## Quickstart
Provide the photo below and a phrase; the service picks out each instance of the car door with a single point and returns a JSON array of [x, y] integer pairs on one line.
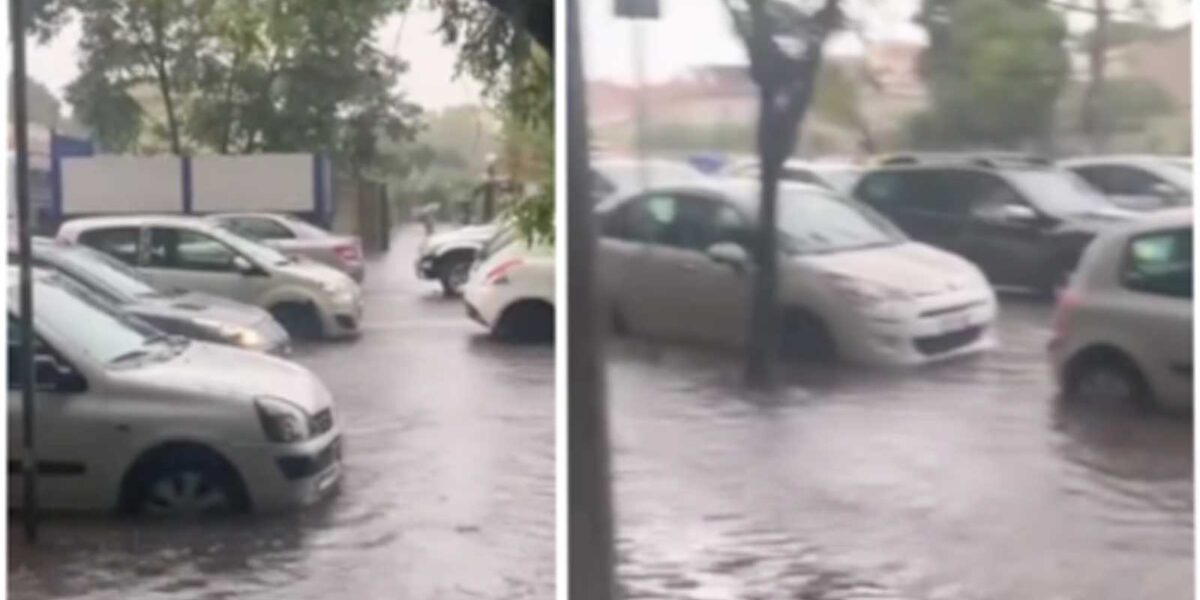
[[1004, 232], [122, 243], [628, 275], [189, 259], [928, 205], [1157, 278], [73, 437]]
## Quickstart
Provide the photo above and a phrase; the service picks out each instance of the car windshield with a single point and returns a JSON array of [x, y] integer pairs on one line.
[[817, 223], [842, 179], [92, 266], [1059, 192], [503, 237], [99, 329], [257, 252]]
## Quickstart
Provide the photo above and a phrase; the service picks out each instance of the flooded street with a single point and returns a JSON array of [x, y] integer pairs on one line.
[[448, 492], [965, 481]]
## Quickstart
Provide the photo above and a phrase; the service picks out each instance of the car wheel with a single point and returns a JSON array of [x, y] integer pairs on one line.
[[805, 337], [1107, 378], [530, 322], [188, 483], [454, 272], [300, 320]]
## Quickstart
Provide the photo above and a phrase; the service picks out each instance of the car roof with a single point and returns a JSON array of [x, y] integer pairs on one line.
[[87, 223], [742, 192], [1108, 159]]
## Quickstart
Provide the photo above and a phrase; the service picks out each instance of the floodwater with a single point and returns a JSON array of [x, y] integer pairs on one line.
[[448, 492], [964, 481]]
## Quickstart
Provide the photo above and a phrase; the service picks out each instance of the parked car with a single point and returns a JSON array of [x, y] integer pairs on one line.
[[675, 264], [617, 177], [135, 420], [298, 239], [1138, 182], [834, 176], [511, 289], [1123, 329], [1025, 224], [307, 298], [447, 257], [198, 316]]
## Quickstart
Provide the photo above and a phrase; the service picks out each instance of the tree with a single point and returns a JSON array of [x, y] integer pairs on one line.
[[251, 76], [518, 76], [995, 69], [785, 45], [838, 101]]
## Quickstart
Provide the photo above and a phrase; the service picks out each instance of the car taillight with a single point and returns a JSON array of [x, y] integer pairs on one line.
[[1068, 301], [499, 274], [347, 252]]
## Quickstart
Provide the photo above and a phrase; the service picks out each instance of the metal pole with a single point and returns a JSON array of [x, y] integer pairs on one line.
[[590, 558], [639, 82], [16, 17]]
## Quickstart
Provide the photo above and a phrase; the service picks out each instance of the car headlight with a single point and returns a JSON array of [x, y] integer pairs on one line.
[[868, 293], [282, 421], [237, 335]]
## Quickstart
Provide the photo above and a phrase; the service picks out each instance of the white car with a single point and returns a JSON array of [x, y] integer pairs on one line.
[[299, 239], [511, 289], [447, 257], [1123, 328], [839, 177], [1138, 182], [307, 298], [675, 264], [130, 419]]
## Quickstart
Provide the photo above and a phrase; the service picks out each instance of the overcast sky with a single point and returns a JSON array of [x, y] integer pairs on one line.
[[698, 32], [430, 79]]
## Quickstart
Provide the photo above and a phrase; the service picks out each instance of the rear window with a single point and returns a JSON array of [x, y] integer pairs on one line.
[[1160, 263]]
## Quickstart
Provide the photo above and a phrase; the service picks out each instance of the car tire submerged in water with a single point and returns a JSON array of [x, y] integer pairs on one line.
[[185, 481], [453, 271], [528, 322], [805, 337], [1106, 377], [300, 320]]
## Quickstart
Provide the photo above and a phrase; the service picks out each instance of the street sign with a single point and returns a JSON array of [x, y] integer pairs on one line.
[[637, 9]]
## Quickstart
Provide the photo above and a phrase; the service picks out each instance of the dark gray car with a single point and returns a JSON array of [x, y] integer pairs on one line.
[[198, 316]]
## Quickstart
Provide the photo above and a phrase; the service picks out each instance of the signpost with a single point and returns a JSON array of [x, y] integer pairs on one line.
[[16, 19]]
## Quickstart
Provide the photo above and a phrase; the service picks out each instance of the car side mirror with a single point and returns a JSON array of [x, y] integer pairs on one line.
[[729, 253], [53, 376]]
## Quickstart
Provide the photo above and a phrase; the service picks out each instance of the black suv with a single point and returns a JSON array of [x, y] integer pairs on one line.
[[1022, 221]]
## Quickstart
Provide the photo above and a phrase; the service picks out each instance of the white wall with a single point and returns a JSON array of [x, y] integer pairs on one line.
[[122, 184], [269, 182]]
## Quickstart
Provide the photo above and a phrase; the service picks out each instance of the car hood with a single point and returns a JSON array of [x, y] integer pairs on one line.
[[1098, 220], [913, 267], [230, 372], [194, 305], [316, 273]]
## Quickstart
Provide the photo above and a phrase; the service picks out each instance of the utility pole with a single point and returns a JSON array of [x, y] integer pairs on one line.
[[589, 495], [16, 19]]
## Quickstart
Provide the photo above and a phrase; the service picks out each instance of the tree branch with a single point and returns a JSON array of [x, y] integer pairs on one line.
[[534, 17]]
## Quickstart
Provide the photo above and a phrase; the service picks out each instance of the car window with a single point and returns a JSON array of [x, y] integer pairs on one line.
[[118, 242], [258, 228], [989, 195], [1057, 192], [1128, 181], [184, 249], [1160, 263], [924, 192]]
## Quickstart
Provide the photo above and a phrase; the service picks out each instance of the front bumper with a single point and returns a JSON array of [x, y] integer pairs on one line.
[[933, 331], [343, 319], [282, 477]]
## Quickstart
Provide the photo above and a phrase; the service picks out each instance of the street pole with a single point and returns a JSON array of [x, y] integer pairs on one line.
[[16, 18], [489, 191], [589, 500]]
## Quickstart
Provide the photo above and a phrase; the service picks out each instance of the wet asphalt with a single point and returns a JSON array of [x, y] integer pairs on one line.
[[448, 491]]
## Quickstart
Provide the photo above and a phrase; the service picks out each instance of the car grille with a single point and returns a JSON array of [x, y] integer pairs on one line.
[[322, 422], [946, 342], [937, 312], [300, 467]]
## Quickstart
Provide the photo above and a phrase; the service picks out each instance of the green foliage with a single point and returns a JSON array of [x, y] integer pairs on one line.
[[240, 75], [995, 69]]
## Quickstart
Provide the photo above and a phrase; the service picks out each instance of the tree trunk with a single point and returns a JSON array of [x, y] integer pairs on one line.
[[164, 88], [1093, 125], [764, 321], [227, 101]]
